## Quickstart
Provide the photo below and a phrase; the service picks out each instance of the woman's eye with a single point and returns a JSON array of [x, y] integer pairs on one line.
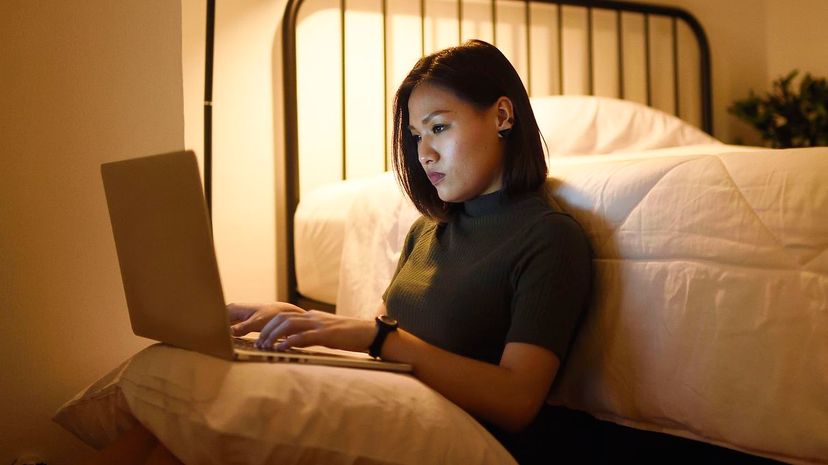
[[416, 138], [438, 128]]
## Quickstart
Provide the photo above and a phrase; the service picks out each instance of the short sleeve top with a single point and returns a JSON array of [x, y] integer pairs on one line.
[[503, 270]]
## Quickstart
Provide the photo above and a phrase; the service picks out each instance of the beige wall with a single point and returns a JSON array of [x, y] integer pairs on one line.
[[736, 30], [753, 43], [797, 37], [84, 82], [246, 135]]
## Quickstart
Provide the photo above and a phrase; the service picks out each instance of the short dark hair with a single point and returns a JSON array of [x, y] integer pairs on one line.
[[478, 73]]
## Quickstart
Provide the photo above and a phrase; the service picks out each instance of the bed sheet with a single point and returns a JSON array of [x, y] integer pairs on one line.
[[710, 316], [319, 233]]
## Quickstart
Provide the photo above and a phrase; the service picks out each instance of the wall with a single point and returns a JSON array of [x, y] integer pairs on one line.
[[246, 136], [736, 30], [796, 37], [753, 43], [84, 82]]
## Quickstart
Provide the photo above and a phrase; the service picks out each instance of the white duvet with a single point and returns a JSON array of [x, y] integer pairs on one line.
[[710, 315]]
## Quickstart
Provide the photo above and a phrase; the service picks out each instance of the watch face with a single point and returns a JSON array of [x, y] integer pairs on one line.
[[387, 320]]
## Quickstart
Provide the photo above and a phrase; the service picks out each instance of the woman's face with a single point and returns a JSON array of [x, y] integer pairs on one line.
[[457, 143]]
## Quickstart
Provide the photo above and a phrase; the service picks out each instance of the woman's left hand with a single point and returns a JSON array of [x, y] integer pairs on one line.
[[317, 328]]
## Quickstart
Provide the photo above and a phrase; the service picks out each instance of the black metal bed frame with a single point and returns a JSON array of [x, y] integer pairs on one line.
[[291, 134]]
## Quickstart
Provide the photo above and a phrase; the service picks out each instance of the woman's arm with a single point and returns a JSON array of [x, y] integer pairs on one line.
[[507, 395]]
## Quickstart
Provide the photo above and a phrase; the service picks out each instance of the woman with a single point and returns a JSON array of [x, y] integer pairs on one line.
[[491, 281]]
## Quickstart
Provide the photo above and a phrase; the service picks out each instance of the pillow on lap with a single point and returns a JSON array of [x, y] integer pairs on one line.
[[282, 413]]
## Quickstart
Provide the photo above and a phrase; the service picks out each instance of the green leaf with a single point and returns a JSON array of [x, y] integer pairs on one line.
[[788, 115]]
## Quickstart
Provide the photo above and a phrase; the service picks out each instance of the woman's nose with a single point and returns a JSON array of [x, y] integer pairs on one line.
[[426, 153]]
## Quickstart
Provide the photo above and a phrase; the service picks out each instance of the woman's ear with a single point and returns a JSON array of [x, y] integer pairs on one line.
[[505, 117]]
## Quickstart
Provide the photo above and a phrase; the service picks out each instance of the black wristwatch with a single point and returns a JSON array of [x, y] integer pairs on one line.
[[385, 325]]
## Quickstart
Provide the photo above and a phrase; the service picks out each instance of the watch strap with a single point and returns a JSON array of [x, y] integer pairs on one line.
[[383, 328]]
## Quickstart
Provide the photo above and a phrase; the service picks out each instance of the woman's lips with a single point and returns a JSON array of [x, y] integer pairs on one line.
[[435, 177]]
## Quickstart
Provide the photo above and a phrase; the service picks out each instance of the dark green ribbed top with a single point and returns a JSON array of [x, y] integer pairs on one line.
[[503, 270]]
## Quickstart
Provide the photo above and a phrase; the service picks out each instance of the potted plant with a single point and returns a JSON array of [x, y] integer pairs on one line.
[[787, 118]]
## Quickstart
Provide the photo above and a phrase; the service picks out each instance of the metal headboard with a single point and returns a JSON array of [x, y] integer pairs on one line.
[[289, 44]]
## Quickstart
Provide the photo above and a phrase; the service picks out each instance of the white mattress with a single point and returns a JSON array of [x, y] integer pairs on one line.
[[710, 319], [319, 232]]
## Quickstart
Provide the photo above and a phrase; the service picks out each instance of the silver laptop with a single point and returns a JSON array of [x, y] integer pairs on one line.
[[168, 264]]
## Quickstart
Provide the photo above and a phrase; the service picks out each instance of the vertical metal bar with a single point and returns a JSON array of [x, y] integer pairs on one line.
[[422, 28], [494, 22], [459, 22], [208, 107], [342, 54], [647, 59], [528, 47], [675, 69], [560, 50], [291, 168], [590, 58], [385, 84], [619, 29], [705, 72]]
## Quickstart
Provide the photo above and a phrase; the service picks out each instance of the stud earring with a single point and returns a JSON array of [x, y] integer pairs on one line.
[[504, 133]]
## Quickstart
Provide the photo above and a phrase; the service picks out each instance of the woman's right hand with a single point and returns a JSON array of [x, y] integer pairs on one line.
[[247, 317]]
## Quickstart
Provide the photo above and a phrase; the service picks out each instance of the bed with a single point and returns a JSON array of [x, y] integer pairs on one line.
[[710, 258], [710, 317]]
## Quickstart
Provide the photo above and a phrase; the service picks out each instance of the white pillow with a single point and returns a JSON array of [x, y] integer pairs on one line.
[[211, 411], [585, 125]]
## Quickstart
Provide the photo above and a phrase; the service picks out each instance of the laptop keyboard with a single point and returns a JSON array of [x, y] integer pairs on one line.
[[248, 344]]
